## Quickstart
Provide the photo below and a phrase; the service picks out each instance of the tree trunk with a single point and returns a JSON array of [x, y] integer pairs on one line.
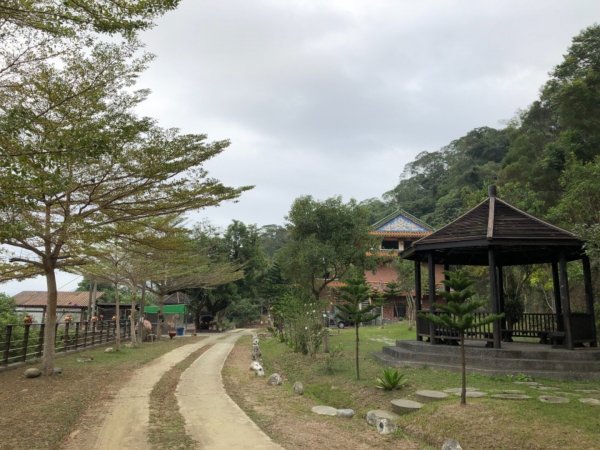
[[50, 321], [133, 318], [143, 332], [357, 368], [463, 392], [117, 319], [161, 316]]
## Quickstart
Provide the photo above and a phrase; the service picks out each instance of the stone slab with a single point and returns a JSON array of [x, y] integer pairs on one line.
[[552, 399], [472, 394], [430, 396], [325, 410], [405, 406], [590, 401], [459, 390], [511, 396]]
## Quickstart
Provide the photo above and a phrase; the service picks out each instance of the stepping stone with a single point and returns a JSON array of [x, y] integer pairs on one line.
[[510, 391], [404, 406], [511, 396], [552, 399], [588, 391], [545, 388], [459, 390], [430, 396], [590, 401], [376, 414], [472, 394], [325, 410], [527, 383]]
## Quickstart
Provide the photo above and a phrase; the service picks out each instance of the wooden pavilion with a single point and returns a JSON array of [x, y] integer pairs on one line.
[[496, 234]]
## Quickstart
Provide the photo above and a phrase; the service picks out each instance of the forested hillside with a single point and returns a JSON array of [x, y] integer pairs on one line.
[[546, 161]]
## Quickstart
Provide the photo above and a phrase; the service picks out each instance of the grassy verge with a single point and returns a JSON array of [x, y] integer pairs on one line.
[[167, 426], [330, 380], [41, 412]]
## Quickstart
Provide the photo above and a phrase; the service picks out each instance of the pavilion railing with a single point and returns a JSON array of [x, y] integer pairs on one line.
[[538, 325], [22, 342]]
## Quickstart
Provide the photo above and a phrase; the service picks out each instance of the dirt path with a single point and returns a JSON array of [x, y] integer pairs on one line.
[[211, 417], [123, 422]]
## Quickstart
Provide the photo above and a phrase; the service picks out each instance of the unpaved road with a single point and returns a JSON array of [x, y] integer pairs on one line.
[[211, 417], [124, 422]]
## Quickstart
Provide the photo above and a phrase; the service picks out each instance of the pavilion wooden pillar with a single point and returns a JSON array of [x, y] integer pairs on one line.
[[418, 296], [446, 269], [565, 301], [589, 296], [494, 297], [431, 275], [501, 297], [560, 326]]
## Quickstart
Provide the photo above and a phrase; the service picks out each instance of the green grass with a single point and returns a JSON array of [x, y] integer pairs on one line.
[[483, 423]]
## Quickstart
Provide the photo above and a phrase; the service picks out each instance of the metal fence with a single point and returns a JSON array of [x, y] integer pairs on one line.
[[19, 343]]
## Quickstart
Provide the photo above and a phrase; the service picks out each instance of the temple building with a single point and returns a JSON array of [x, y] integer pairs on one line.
[[396, 232]]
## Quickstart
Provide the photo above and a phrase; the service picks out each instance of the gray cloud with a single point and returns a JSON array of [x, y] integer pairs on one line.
[[334, 97]]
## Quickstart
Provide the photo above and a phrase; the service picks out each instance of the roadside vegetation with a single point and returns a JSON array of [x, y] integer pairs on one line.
[[483, 423], [43, 412]]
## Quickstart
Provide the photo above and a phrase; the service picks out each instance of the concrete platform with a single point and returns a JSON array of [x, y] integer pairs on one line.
[[513, 358]]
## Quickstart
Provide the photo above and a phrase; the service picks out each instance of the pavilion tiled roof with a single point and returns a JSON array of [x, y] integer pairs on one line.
[[77, 299], [496, 223]]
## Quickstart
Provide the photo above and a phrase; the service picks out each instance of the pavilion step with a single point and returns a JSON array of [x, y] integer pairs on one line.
[[512, 364], [550, 374], [583, 354]]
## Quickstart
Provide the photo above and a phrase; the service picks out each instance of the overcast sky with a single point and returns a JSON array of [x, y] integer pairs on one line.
[[329, 98]]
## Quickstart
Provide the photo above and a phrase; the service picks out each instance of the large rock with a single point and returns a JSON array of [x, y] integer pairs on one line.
[[57, 371], [386, 426], [451, 444], [255, 365], [32, 372], [325, 410], [109, 350], [298, 388], [374, 415], [275, 380], [346, 412], [404, 406]]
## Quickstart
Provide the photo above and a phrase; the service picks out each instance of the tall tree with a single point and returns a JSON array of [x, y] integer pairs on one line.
[[327, 239], [67, 177]]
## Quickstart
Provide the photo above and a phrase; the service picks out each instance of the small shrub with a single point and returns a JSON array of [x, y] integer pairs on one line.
[[522, 377], [333, 356], [391, 379]]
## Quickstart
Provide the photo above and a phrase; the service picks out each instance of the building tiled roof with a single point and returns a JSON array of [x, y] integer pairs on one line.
[[400, 224], [77, 299]]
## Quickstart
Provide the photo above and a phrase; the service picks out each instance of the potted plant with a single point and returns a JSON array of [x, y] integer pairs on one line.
[[27, 320]]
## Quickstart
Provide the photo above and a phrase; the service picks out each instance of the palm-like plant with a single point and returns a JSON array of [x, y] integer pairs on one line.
[[390, 379], [354, 308], [458, 314]]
